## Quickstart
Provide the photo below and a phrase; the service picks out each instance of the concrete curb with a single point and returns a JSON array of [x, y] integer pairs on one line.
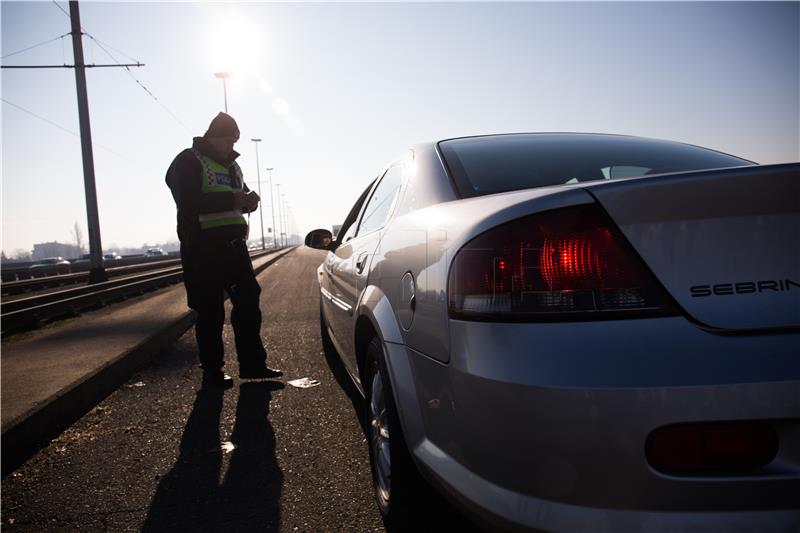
[[33, 430]]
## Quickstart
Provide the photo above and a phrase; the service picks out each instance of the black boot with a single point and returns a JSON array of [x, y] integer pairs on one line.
[[258, 372], [217, 379]]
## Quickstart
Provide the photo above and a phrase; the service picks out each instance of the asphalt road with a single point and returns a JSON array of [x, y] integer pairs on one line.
[[161, 455]]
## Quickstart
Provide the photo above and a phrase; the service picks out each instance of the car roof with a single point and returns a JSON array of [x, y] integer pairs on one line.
[[574, 136], [551, 135]]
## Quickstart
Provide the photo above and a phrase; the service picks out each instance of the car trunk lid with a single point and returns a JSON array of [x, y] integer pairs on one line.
[[724, 243]]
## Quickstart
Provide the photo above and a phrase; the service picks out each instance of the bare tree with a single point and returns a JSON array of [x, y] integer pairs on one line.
[[77, 235], [22, 255]]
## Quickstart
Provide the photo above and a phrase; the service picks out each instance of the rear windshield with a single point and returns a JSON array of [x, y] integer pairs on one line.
[[499, 163]]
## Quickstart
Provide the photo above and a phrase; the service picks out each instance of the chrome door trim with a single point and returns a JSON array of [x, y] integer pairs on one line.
[[336, 301]]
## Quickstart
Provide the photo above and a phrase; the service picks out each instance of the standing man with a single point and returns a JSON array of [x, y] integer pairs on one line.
[[211, 197]]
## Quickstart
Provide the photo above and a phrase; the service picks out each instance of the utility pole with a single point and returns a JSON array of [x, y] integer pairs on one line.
[[261, 203], [97, 273]]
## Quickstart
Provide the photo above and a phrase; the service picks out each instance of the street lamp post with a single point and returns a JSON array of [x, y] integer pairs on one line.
[[272, 207], [289, 222], [280, 217], [224, 76], [285, 206], [260, 211]]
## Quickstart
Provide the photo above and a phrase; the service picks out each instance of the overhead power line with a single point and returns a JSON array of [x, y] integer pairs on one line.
[[62, 128], [61, 8], [101, 43], [135, 79], [148, 91], [66, 130], [126, 65], [34, 46]]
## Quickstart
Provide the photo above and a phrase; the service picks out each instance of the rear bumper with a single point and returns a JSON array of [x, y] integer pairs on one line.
[[542, 426], [500, 509]]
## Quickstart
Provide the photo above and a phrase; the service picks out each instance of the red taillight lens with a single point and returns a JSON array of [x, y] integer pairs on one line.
[[550, 264], [722, 447]]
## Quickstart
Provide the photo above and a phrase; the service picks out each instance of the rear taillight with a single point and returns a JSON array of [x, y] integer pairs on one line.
[[551, 265]]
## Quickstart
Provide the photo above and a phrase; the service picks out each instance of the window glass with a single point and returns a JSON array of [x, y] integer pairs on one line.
[[380, 204], [349, 234], [499, 163], [622, 171], [348, 228]]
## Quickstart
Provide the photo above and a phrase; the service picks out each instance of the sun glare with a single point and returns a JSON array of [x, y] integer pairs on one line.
[[280, 106], [264, 84], [234, 46]]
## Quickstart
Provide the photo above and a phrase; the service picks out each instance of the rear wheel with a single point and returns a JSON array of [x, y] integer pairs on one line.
[[395, 477]]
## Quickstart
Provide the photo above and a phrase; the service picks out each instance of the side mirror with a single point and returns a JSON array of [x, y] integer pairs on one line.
[[321, 239]]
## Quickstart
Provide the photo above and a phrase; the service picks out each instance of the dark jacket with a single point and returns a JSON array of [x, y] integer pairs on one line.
[[183, 179]]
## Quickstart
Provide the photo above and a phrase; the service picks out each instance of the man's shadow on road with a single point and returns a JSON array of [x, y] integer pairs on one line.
[[191, 498]]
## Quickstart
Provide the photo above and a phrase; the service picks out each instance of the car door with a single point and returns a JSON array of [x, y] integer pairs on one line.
[[355, 255], [335, 267]]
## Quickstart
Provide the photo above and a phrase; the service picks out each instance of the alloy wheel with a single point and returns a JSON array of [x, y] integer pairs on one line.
[[379, 437]]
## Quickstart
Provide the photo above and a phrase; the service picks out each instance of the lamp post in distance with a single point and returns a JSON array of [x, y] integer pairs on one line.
[[260, 211], [285, 207], [272, 208], [290, 222], [224, 76], [280, 216]]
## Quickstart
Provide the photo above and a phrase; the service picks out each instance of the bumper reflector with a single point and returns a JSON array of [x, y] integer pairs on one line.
[[711, 448]]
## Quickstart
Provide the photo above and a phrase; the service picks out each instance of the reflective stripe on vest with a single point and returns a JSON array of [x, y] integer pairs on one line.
[[217, 178], [224, 218]]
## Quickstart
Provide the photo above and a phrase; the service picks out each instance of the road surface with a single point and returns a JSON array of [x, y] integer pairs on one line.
[[160, 455]]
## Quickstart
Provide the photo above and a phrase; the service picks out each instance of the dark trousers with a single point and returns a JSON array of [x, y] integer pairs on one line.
[[209, 270]]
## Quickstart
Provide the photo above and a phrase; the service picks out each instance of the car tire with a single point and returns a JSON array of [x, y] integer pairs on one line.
[[397, 482], [327, 343]]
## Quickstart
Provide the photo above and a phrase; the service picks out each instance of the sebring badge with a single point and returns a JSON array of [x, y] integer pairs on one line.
[[743, 287]]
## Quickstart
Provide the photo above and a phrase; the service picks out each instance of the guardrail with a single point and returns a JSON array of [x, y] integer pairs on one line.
[[13, 271], [34, 311], [36, 284]]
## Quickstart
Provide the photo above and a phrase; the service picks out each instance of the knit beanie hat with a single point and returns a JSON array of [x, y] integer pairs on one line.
[[223, 125]]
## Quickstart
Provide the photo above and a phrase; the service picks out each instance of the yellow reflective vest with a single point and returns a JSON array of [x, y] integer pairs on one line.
[[218, 178]]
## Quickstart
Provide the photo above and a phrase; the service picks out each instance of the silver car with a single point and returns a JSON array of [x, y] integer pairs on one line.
[[155, 252], [50, 266], [576, 332]]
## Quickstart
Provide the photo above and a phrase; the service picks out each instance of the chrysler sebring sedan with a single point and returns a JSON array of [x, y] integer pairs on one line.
[[575, 332]]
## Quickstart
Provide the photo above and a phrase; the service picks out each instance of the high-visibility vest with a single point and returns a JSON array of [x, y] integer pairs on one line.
[[217, 178]]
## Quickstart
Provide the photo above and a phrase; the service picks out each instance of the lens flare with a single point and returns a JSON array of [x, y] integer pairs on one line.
[[280, 106]]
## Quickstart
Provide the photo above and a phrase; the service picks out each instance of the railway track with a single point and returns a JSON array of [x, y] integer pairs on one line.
[[12, 288], [33, 311]]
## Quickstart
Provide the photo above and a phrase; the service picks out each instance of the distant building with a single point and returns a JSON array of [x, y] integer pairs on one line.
[[55, 249], [336, 228]]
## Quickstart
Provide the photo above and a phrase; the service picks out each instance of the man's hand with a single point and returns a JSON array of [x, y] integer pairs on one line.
[[247, 202], [251, 201]]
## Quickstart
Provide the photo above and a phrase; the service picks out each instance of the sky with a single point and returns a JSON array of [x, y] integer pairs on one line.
[[338, 90]]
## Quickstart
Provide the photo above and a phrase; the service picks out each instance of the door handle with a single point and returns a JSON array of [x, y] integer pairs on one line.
[[361, 262]]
